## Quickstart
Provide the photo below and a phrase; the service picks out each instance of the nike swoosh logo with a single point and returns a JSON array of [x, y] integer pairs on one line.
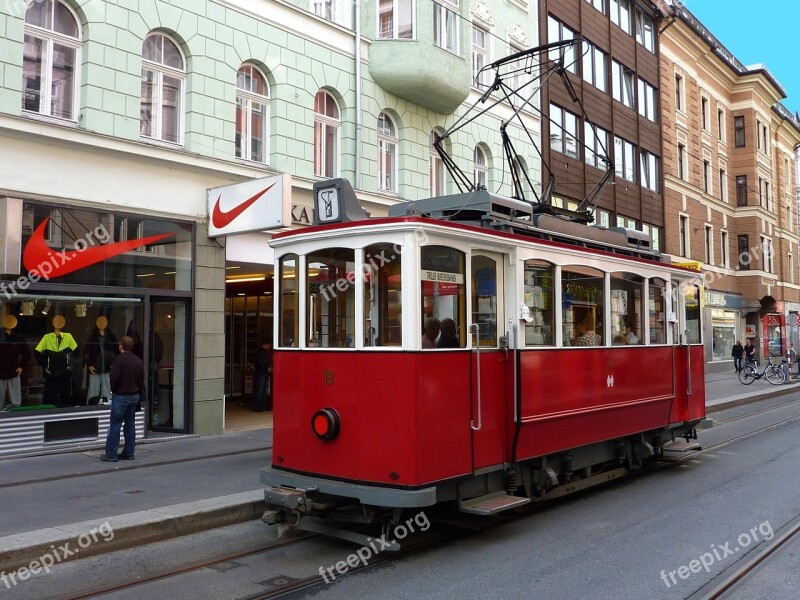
[[221, 219], [39, 258]]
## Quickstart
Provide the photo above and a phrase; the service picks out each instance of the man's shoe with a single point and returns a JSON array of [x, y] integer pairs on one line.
[[105, 458], [123, 457]]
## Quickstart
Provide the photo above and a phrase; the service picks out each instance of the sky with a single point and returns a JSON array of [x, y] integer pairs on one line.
[[757, 31]]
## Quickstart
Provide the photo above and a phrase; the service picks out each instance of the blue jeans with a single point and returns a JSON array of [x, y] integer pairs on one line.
[[260, 392], [123, 408]]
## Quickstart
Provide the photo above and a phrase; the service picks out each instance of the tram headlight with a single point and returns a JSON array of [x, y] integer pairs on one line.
[[325, 424]]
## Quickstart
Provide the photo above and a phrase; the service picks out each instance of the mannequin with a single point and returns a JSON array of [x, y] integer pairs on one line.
[[14, 354], [99, 352], [55, 352]]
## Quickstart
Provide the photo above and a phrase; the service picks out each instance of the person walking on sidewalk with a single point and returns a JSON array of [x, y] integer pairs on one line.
[[749, 353], [127, 391], [737, 353]]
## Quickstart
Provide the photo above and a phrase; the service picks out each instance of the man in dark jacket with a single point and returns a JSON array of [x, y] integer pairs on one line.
[[737, 352], [127, 388], [14, 354], [262, 373]]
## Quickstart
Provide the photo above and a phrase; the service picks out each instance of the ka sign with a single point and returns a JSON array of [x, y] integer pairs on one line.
[[250, 206]]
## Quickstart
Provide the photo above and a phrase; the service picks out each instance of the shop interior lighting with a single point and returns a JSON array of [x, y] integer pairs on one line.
[[243, 279], [47, 305], [80, 309], [27, 308]]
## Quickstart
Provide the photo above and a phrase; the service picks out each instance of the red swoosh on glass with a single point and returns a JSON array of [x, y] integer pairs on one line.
[[221, 218], [38, 253]]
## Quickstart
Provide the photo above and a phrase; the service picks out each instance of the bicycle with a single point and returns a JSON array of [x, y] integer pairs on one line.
[[772, 373]]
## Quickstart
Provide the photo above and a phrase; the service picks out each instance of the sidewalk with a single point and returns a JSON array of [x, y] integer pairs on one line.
[[173, 488]]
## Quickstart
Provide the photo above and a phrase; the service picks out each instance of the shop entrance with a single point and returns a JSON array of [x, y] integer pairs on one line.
[[167, 373]]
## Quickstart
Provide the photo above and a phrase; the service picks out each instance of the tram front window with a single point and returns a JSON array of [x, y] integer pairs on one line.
[[443, 293], [383, 315], [331, 298]]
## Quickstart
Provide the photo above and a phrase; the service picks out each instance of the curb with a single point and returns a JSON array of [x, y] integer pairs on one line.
[[779, 391], [32, 550]]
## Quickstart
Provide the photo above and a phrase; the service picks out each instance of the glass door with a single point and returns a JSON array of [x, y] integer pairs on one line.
[[168, 366]]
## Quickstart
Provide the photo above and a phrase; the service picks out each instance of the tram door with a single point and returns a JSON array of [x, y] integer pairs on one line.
[[489, 359]]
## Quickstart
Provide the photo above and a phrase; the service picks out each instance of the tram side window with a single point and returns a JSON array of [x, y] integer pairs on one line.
[[691, 298], [331, 302], [289, 301], [626, 309], [674, 307], [443, 294], [583, 300], [657, 311], [383, 315], [484, 299], [539, 298]]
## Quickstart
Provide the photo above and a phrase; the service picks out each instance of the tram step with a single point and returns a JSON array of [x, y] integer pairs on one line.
[[682, 447], [492, 503]]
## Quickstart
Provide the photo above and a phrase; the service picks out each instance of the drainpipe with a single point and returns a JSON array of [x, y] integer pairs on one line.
[[358, 94]]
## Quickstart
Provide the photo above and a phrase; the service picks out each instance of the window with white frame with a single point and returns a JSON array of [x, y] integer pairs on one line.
[[707, 176], [656, 235], [766, 251], [480, 169], [648, 166], [445, 24], [517, 77], [163, 77], [326, 135], [622, 83], [679, 101], [683, 233], [682, 170], [599, 5], [621, 14], [595, 143], [558, 32], [705, 114], [595, 66], [51, 57], [323, 8], [723, 185], [721, 124], [648, 100], [563, 131], [252, 114], [645, 29], [480, 56], [396, 19], [387, 153], [436, 169], [603, 218], [624, 159], [724, 253], [709, 245]]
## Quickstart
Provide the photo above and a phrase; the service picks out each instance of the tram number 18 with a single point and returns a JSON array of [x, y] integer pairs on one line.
[[328, 377]]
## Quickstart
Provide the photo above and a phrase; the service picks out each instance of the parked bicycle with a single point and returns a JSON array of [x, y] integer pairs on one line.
[[772, 373]]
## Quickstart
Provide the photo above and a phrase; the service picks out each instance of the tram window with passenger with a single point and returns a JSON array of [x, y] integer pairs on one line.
[[657, 312], [539, 278], [289, 298], [383, 312], [582, 298], [626, 309], [331, 298], [691, 302], [443, 287]]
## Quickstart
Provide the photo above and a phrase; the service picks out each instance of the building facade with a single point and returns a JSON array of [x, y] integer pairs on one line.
[[730, 189], [116, 124]]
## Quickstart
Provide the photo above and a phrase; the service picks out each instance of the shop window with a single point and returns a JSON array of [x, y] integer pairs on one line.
[[626, 309], [657, 311], [252, 115], [326, 135], [582, 299], [51, 55], [539, 297], [331, 298], [691, 299], [442, 288], [162, 89], [723, 328], [383, 308], [289, 301]]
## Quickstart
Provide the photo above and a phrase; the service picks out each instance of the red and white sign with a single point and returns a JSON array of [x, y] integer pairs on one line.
[[250, 206], [749, 331]]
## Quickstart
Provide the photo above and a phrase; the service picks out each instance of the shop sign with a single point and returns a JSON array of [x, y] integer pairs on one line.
[[301, 215], [250, 206], [690, 264], [749, 331], [722, 300]]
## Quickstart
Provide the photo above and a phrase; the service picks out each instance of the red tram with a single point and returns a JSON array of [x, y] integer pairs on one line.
[[575, 358]]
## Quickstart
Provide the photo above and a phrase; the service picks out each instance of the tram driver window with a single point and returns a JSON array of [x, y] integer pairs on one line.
[[657, 311], [331, 298], [691, 299], [443, 291], [583, 304], [289, 301], [539, 298], [383, 315], [626, 309]]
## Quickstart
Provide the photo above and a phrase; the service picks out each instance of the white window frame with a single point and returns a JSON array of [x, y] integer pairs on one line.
[[649, 43], [616, 8], [480, 168], [395, 9], [49, 37], [558, 122], [447, 14], [649, 170], [680, 96], [721, 123], [595, 143], [709, 244], [387, 141], [436, 177], [723, 185], [708, 187], [160, 71], [480, 55], [624, 160], [620, 76], [247, 98], [594, 73], [725, 251], [558, 32], [648, 100], [705, 113], [684, 241], [599, 5], [321, 152]]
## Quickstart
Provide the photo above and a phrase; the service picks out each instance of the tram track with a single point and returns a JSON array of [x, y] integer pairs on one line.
[[757, 412]]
